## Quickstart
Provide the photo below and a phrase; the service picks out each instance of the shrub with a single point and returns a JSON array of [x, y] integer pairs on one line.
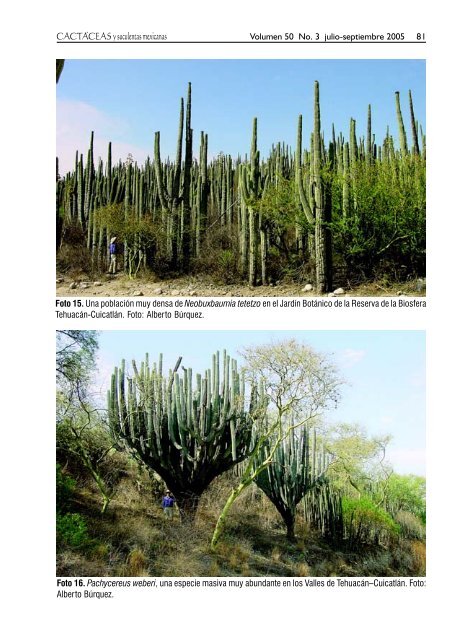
[[365, 523], [65, 486], [219, 258], [386, 232], [74, 260], [410, 525], [139, 232], [71, 529]]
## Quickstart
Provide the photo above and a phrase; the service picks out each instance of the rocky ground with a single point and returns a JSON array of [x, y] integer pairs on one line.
[[121, 285]]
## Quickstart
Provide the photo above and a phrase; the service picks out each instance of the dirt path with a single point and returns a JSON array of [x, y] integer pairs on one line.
[[120, 285]]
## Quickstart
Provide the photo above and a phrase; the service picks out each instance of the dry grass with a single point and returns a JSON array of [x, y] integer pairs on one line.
[[302, 569], [419, 554], [276, 554], [134, 539], [137, 563]]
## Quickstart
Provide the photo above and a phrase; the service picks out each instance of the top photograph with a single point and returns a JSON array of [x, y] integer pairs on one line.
[[240, 178]]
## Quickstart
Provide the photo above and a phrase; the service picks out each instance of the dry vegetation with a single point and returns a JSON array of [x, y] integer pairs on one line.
[[134, 539]]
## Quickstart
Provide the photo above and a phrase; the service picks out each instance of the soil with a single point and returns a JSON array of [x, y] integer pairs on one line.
[[120, 285]]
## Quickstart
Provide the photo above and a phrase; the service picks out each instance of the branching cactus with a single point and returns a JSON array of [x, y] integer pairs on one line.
[[294, 472], [171, 192], [189, 434]]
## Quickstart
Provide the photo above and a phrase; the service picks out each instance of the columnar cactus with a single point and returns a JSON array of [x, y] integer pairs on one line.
[[166, 212], [346, 181], [413, 124], [170, 191], [322, 509], [369, 139], [250, 189], [400, 122], [304, 197], [321, 208], [189, 434], [201, 194]]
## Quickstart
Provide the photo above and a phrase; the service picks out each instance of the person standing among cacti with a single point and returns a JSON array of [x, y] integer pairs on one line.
[[168, 504], [113, 255]]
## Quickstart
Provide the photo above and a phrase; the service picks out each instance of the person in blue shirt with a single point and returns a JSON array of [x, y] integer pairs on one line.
[[113, 255], [168, 504]]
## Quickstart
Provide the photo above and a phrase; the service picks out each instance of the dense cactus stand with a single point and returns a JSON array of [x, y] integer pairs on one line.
[[329, 212]]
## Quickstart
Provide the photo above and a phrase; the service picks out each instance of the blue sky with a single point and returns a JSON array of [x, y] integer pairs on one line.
[[384, 373], [126, 101]]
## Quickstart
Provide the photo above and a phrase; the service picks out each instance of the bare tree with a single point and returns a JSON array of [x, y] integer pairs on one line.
[[296, 385]]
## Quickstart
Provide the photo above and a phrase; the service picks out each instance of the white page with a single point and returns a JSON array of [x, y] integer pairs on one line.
[[31, 319]]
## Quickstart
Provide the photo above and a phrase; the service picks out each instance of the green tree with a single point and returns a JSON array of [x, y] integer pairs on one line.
[[406, 493]]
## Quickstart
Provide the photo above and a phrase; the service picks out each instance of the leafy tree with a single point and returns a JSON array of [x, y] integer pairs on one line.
[[359, 461], [79, 425], [406, 493], [75, 356]]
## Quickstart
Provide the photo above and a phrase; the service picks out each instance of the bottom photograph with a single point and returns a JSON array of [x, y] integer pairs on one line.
[[240, 453]]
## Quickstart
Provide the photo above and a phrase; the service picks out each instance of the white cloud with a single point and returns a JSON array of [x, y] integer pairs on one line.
[[75, 122], [350, 357]]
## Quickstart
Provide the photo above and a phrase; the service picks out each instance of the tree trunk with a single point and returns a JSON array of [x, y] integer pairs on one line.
[[220, 526], [289, 519], [187, 505]]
